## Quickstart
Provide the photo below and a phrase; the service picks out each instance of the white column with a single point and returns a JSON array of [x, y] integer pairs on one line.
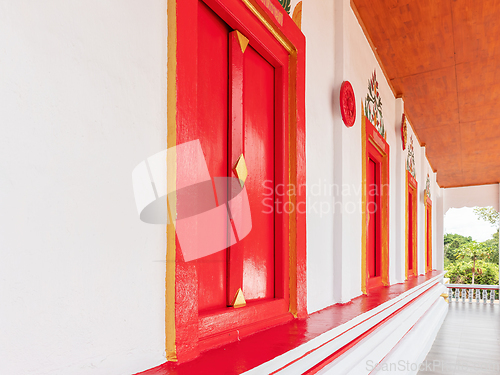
[[438, 235], [421, 169], [398, 230], [342, 266], [318, 26]]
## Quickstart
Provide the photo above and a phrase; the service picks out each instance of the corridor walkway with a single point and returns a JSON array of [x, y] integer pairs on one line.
[[468, 341]]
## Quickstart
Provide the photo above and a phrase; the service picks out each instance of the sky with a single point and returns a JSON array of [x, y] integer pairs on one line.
[[463, 221]]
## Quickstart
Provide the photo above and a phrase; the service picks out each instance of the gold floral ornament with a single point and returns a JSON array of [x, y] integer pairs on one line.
[[404, 131], [410, 159], [373, 105], [427, 190]]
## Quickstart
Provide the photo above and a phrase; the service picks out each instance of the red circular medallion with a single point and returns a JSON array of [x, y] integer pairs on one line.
[[347, 104]]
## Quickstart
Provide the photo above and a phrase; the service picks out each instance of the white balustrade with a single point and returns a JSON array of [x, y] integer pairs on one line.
[[457, 292]]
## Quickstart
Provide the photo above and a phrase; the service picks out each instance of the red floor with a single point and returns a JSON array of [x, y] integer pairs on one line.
[[261, 347]]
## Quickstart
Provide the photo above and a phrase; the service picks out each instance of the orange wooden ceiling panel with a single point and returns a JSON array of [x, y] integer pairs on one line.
[[476, 29], [439, 141], [479, 90], [404, 40], [443, 58], [479, 145], [440, 83]]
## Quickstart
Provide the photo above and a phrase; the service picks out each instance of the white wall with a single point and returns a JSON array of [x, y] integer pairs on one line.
[[337, 50], [82, 279], [471, 196], [318, 22]]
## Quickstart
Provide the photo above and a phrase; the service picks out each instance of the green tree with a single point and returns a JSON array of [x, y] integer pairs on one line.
[[451, 244], [488, 214], [474, 251], [460, 272], [492, 216], [492, 244]]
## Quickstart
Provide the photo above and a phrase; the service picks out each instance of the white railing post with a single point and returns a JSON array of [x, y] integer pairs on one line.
[[461, 292]]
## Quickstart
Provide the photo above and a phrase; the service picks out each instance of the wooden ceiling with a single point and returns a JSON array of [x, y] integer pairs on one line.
[[443, 58]]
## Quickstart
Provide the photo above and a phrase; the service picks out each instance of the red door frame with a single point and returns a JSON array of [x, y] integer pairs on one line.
[[411, 270], [269, 30], [375, 148], [428, 233]]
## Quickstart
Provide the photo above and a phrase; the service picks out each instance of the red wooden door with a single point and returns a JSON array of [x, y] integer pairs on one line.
[[428, 247], [410, 232], [372, 224], [240, 115], [237, 85], [374, 258]]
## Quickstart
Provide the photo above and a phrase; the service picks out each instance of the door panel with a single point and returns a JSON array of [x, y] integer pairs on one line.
[[212, 131], [259, 103], [250, 263], [372, 224], [428, 237], [410, 232], [374, 245]]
